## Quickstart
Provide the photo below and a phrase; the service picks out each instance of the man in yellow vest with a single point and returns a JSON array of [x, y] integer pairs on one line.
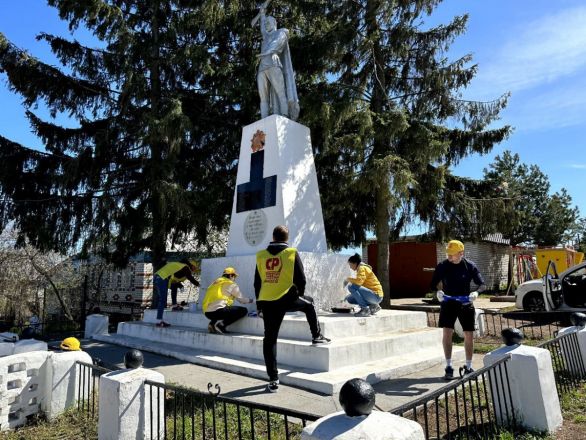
[[170, 275], [217, 303], [279, 285]]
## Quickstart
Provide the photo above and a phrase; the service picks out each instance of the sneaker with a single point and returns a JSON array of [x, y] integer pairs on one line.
[[211, 328], [465, 371], [449, 373], [374, 308], [220, 329], [365, 311], [163, 324], [273, 386], [320, 340], [177, 308]]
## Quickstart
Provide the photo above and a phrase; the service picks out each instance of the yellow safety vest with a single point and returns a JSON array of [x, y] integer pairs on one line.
[[214, 293], [276, 273], [169, 270]]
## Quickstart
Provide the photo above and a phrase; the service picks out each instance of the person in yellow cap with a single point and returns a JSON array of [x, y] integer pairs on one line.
[[455, 274], [217, 302], [70, 344], [172, 275]]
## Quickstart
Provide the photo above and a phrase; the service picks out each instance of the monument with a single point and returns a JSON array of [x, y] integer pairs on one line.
[[276, 184], [275, 78]]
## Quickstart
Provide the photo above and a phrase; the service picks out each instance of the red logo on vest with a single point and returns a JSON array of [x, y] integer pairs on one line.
[[273, 263]]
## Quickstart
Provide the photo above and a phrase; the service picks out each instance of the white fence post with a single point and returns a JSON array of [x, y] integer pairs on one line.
[[358, 421], [532, 391], [22, 387], [377, 425], [64, 381], [125, 407]]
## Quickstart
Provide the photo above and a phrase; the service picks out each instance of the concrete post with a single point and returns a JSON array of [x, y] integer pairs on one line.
[[64, 381], [22, 391], [96, 325], [376, 426], [358, 420], [532, 388], [125, 406]]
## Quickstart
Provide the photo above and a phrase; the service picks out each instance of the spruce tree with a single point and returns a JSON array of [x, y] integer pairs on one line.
[[394, 120], [159, 103]]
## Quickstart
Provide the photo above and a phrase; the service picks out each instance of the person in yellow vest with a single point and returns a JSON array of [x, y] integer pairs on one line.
[[365, 290], [279, 286], [217, 303], [171, 274]]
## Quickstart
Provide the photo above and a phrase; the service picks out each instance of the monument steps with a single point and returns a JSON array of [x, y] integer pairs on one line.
[[341, 352], [388, 345], [325, 382], [294, 326]]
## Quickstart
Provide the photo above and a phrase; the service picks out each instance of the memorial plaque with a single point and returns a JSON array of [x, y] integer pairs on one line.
[[255, 227]]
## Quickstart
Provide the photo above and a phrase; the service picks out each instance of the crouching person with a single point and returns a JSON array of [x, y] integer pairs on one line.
[[365, 290], [218, 300]]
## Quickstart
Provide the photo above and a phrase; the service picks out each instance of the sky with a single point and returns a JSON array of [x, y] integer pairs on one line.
[[534, 49]]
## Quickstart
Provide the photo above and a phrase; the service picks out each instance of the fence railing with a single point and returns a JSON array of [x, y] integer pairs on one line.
[[476, 406], [496, 322], [567, 362], [189, 414], [87, 387]]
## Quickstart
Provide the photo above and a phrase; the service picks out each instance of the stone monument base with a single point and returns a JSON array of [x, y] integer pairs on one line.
[[325, 274], [391, 344]]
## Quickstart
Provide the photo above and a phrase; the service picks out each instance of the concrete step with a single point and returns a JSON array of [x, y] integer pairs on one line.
[[340, 353], [322, 382], [333, 325]]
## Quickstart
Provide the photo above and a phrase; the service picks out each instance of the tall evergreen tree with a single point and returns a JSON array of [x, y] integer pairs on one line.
[[394, 120], [160, 104]]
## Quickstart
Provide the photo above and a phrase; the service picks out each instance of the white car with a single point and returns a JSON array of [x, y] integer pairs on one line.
[[566, 291]]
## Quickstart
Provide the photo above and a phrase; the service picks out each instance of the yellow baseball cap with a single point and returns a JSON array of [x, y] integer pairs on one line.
[[230, 271], [454, 247], [71, 344]]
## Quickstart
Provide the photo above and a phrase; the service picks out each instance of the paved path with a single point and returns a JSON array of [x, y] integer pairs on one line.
[[390, 393]]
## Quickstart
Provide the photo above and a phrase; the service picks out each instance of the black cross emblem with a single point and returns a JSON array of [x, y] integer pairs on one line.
[[259, 192]]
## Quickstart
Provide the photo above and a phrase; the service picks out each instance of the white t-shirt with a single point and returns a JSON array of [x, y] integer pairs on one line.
[[228, 290]]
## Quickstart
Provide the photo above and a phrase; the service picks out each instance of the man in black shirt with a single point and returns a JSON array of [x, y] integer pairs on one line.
[[455, 274]]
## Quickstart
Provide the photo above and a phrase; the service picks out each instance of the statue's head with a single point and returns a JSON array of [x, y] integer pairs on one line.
[[270, 24]]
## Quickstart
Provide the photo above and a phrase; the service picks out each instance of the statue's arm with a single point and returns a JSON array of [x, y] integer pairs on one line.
[[276, 45], [263, 19]]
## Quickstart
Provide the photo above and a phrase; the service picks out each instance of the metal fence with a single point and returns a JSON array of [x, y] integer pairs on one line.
[[496, 322], [476, 406], [87, 387], [567, 362], [185, 414]]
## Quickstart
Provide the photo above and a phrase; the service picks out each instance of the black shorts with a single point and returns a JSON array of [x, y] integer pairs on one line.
[[451, 310]]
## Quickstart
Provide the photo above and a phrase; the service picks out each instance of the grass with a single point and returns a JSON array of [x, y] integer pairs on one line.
[[71, 425], [226, 420], [574, 406]]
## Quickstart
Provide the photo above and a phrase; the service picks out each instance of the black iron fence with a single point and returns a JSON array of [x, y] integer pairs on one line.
[[567, 362], [493, 323], [476, 406], [87, 387], [185, 414]]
